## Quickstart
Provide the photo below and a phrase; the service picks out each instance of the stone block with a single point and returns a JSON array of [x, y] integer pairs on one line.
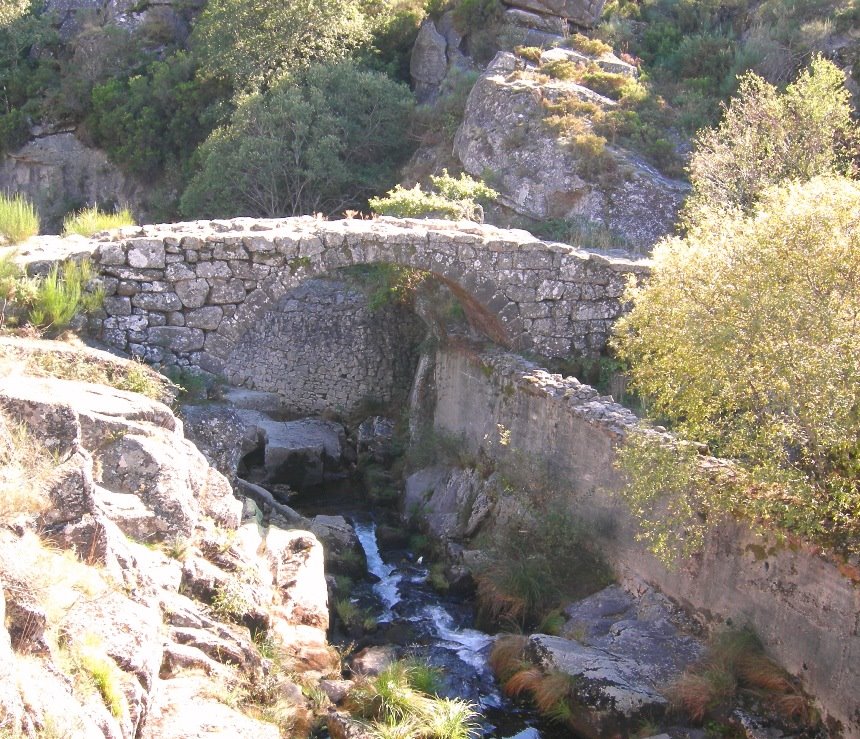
[[192, 293], [226, 291], [112, 254], [117, 306], [206, 318], [213, 269], [146, 253], [161, 302], [176, 338]]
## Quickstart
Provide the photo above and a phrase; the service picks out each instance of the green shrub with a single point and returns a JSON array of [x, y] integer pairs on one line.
[[744, 339], [590, 46], [61, 294], [343, 142], [439, 122], [393, 706], [89, 221], [456, 199], [14, 130], [18, 218]]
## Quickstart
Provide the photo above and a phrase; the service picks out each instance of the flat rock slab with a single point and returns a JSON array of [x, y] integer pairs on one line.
[[299, 453], [623, 650]]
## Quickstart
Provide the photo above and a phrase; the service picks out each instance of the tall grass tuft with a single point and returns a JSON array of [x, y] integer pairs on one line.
[[61, 294], [394, 707], [89, 221], [18, 218]]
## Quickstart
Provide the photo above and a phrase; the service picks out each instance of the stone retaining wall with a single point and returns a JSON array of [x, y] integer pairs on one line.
[[188, 293], [804, 605], [320, 347]]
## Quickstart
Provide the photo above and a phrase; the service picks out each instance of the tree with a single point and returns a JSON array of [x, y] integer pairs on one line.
[[320, 142], [249, 44], [745, 339], [766, 137]]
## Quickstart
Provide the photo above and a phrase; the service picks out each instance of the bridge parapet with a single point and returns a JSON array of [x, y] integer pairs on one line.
[[185, 293]]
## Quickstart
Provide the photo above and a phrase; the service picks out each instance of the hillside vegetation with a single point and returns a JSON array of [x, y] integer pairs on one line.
[[176, 95]]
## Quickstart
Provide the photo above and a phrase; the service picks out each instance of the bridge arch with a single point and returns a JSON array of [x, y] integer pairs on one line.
[[186, 293]]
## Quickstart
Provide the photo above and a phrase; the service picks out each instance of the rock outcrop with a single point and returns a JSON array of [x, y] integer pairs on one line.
[[58, 168], [130, 565], [539, 175]]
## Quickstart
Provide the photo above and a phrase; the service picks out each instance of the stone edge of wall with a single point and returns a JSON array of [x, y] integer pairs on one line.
[[804, 603]]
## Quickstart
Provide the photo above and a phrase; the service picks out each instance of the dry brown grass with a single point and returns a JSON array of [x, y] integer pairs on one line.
[[736, 665], [508, 656], [25, 466]]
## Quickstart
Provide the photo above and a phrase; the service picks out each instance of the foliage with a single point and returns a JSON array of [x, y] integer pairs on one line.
[[736, 664], [543, 556], [384, 284], [90, 659], [251, 45], [745, 340], [766, 137], [590, 46], [230, 601], [641, 120], [90, 221], [456, 198], [554, 692], [18, 218], [392, 704], [63, 293], [150, 123], [322, 140]]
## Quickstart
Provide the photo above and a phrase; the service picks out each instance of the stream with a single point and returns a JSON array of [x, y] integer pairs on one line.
[[411, 615]]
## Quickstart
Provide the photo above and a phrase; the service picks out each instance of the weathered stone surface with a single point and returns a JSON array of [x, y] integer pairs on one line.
[[539, 176], [184, 707], [296, 559], [370, 661], [176, 338], [300, 453], [451, 504], [375, 437], [325, 348], [146, 253], [429, 62], [208, 317], [582, 12], [622, 650], [217, 431], [192, 293]]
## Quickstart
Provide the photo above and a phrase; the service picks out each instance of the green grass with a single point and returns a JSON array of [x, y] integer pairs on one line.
[[89, 221], [393, 706], [18, 218], [62, 293]]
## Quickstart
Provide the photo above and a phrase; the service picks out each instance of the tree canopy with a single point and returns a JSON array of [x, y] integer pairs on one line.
[[745, 338], [766, 137], [249, 44], [321, 141]]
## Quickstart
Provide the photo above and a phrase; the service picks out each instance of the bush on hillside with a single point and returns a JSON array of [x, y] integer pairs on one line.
[[456, 198], [249, 45], [745, 340], [767, 137], [320, 142]]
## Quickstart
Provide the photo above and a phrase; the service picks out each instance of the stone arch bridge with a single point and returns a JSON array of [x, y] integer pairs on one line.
[[186, 293]]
